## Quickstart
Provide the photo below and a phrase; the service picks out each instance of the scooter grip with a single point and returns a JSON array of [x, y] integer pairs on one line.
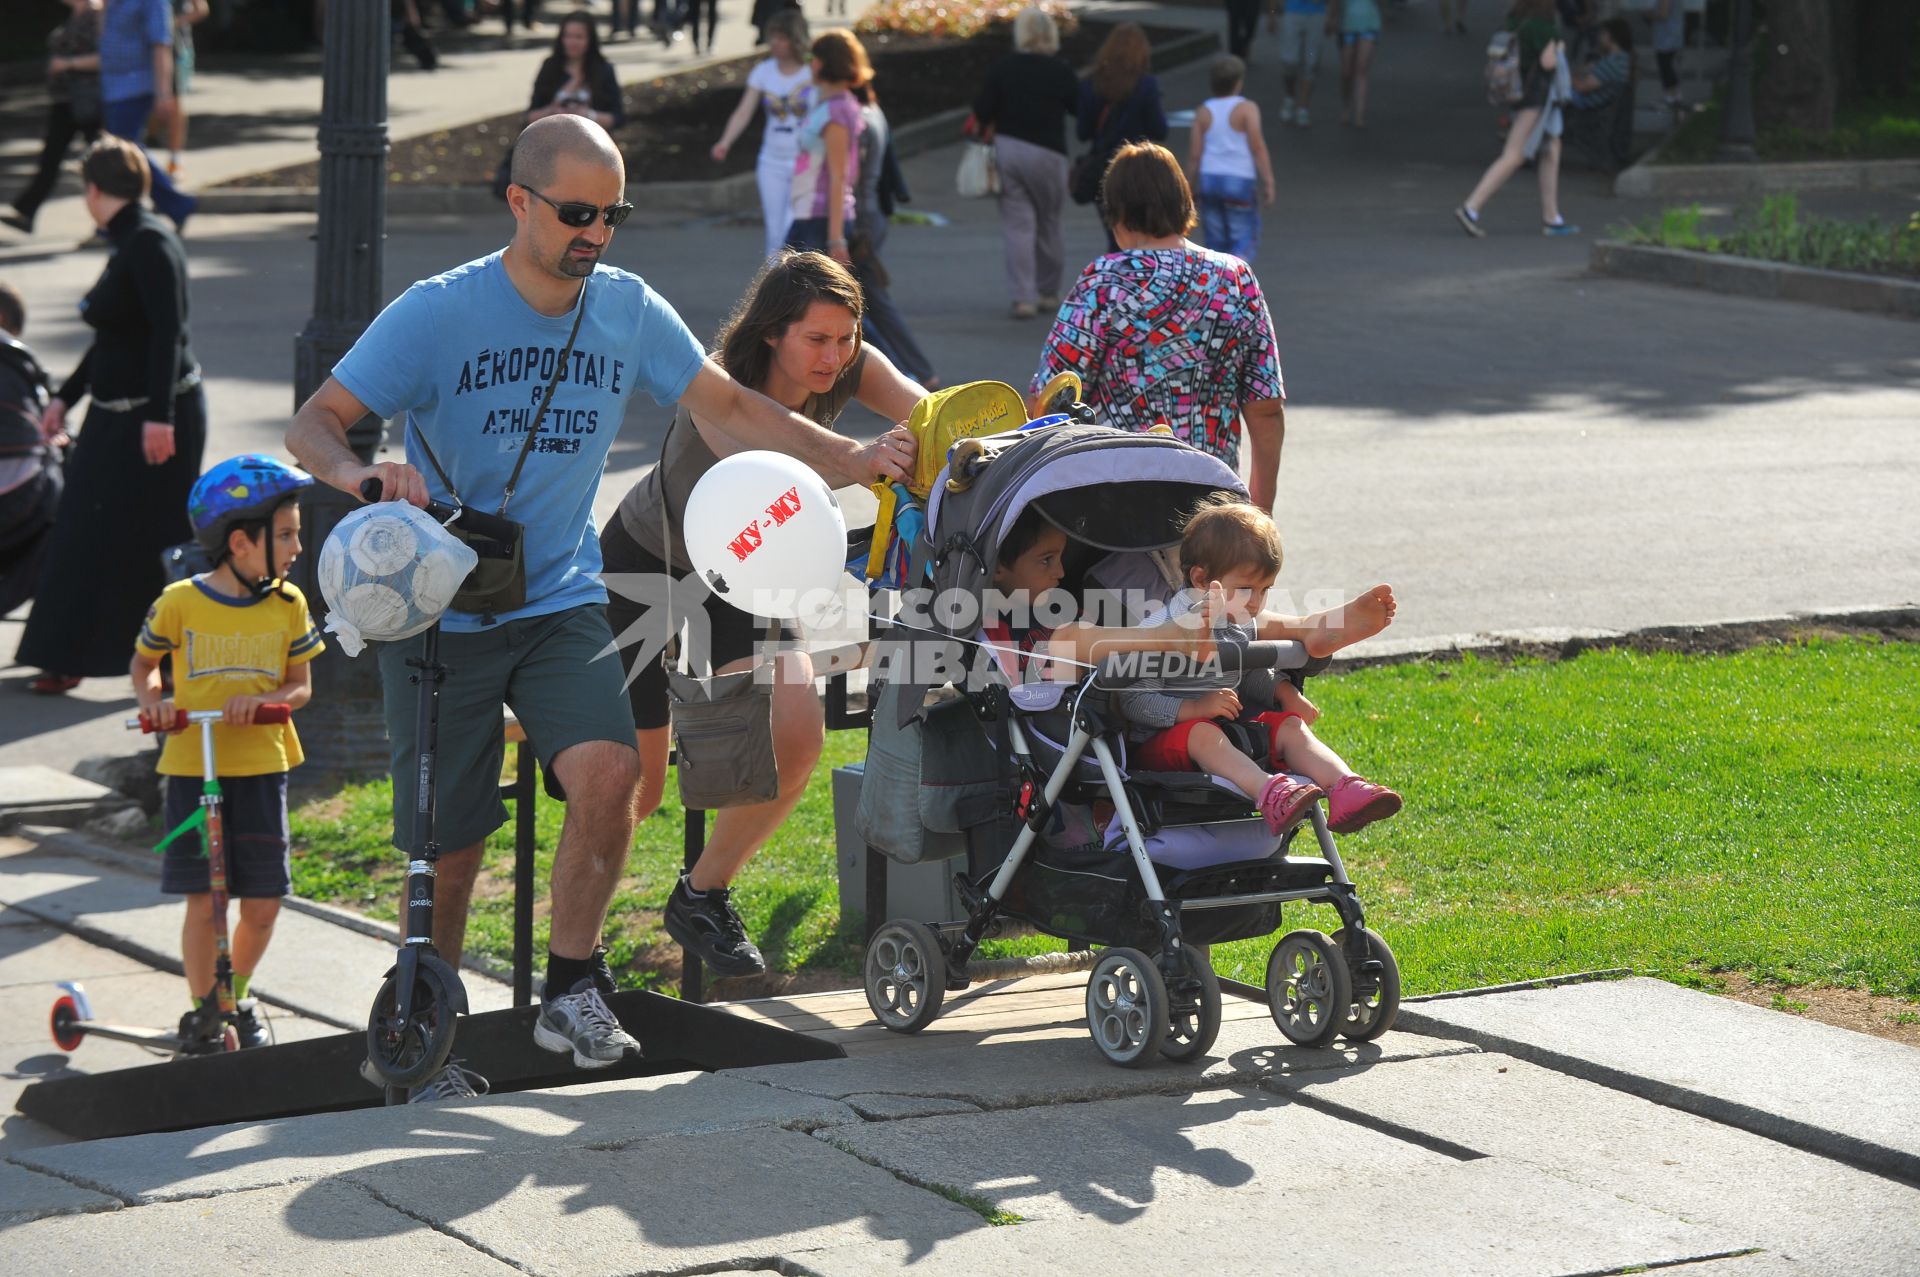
[[273, 714], [147, 728], [485, 524]]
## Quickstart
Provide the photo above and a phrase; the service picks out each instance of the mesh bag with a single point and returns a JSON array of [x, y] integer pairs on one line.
[[388, 571]]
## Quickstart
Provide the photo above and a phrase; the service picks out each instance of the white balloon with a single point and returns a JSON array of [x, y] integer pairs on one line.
[[765, 534]]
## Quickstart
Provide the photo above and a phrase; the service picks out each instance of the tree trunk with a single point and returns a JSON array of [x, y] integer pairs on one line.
[[1797, 84]]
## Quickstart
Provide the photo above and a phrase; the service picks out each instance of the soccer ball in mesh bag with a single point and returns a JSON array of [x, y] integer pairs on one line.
[[388, 571]]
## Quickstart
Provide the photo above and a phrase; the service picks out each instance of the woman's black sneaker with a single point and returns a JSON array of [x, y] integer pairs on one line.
[[705, 922]]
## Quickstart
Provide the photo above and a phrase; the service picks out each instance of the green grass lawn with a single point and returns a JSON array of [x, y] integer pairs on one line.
[[1680, 815]]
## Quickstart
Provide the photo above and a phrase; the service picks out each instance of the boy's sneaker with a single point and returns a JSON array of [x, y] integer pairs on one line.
[[1300, 117], [1286, 800], [248, 1024], [1355, 803], [705, 922], [1554, 230], [1468, 222], [581, 1022], [202, 1032], [453, 1082], [1286, 111]]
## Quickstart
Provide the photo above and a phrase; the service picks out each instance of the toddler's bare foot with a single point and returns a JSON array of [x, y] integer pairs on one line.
[[1358, 618]]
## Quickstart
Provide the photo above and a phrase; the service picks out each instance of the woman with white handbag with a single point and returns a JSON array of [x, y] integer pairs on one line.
[[1027, 99]]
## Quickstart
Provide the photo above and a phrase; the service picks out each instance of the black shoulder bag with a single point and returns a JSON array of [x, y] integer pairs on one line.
[[498, 582]]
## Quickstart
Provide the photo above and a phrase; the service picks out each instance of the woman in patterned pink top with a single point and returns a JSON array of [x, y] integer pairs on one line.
[[1167, 331]]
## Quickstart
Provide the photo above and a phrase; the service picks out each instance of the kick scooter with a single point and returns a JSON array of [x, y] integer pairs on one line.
[[410, 1029], [210, 1030]]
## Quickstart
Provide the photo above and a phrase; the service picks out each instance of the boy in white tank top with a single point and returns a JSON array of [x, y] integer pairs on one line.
[[1228, 157]]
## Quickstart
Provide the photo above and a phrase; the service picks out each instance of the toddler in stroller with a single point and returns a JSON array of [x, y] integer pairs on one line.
[[1254, 732], [1185, 861]]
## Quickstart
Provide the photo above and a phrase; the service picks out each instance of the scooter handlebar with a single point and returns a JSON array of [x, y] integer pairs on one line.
[[271, 713], [487, 525]]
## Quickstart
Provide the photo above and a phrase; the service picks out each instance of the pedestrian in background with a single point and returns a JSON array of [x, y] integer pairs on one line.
[[136, 85], [1165, 331], [73, 105], [187, 14], [1669, 36], [1027, 99], [1359, 23], [576, 78], [1243, 20], [783, 85], [1119, 103], [880, 184], [130, 470], [1304, 24], [1231, 167], [1535, 131]]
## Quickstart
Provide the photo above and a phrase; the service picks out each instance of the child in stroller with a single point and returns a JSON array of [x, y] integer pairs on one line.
[[1227, 727], [1185, 861]]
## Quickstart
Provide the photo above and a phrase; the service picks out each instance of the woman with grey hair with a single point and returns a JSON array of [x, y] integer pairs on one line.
[[1027, 99]]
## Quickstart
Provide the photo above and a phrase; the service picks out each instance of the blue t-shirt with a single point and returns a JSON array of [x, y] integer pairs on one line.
[[1314, 8], [128, 31], [466, 360]]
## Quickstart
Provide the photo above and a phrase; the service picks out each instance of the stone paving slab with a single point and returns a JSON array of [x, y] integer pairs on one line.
[[1833, 1091], [35, 953], [1118, 1159], [1836, 1218], [1485, 1218], [1761, 1264], [736, 1199], [1019, 1074], [35, 785], [114, 906], [28, 1195], [891, 1108], [506, 1129], [326, 1228]]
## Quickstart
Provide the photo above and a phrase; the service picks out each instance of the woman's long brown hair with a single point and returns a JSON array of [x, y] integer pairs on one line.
[[778, 299], [1123, 59]]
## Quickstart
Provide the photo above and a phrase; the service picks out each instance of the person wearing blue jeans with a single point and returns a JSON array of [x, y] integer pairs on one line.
[[1228, 154], [136, 82]]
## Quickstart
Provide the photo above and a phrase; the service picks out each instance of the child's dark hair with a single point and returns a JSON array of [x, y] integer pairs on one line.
[[1225, 75], [1224, 533], [256, 527], [1020, 537]]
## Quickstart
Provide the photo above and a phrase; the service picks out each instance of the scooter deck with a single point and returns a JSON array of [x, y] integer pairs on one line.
[[158, 1039], [322, 1075]]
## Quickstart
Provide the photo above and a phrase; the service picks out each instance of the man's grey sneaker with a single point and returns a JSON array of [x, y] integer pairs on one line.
[[1469, 223], [453, 1082], [706, 923], [582, 1023], [247, 1023]]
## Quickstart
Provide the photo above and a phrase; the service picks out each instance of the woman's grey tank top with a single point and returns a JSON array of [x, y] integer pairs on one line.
[[685, 457]]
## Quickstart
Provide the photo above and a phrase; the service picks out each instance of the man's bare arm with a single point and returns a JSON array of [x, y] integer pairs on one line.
[[317, 438]]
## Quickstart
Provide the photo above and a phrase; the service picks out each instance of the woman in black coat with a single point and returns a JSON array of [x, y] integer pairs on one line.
[[576, 78], [130, 471]]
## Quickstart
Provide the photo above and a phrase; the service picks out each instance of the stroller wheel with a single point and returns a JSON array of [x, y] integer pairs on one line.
[[1373, 1013], [906, 976], [1193, 1018], [1308, 989], [1127, 1007], [407, 1053]]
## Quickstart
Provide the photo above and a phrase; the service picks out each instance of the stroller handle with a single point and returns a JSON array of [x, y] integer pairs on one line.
[[274, 713], [1263, 654], [487, 525]]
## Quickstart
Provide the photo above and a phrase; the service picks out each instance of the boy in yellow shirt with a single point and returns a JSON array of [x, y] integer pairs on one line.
[[240, 637]]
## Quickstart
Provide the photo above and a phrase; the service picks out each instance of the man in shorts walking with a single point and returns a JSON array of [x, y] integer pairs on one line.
[[1302, 26], [465, 359]]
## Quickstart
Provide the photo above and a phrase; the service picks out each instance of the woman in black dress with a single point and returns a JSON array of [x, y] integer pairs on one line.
[[130, 470]]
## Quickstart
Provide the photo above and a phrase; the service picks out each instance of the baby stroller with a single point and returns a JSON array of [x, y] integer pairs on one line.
[[1184, 861]]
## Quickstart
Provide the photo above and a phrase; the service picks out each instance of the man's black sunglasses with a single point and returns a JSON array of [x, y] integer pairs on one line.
[[580, 215]]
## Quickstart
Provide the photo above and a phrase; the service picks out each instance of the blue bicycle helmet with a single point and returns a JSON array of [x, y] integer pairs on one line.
[[249, 486]]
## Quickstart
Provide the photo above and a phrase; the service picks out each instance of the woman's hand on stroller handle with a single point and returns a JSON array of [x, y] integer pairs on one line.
[[888, 458]]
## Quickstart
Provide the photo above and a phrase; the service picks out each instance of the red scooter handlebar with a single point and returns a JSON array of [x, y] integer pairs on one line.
[[264, 714]]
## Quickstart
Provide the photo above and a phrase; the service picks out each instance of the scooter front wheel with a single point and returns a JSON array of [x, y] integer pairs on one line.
[[408, 1052]]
